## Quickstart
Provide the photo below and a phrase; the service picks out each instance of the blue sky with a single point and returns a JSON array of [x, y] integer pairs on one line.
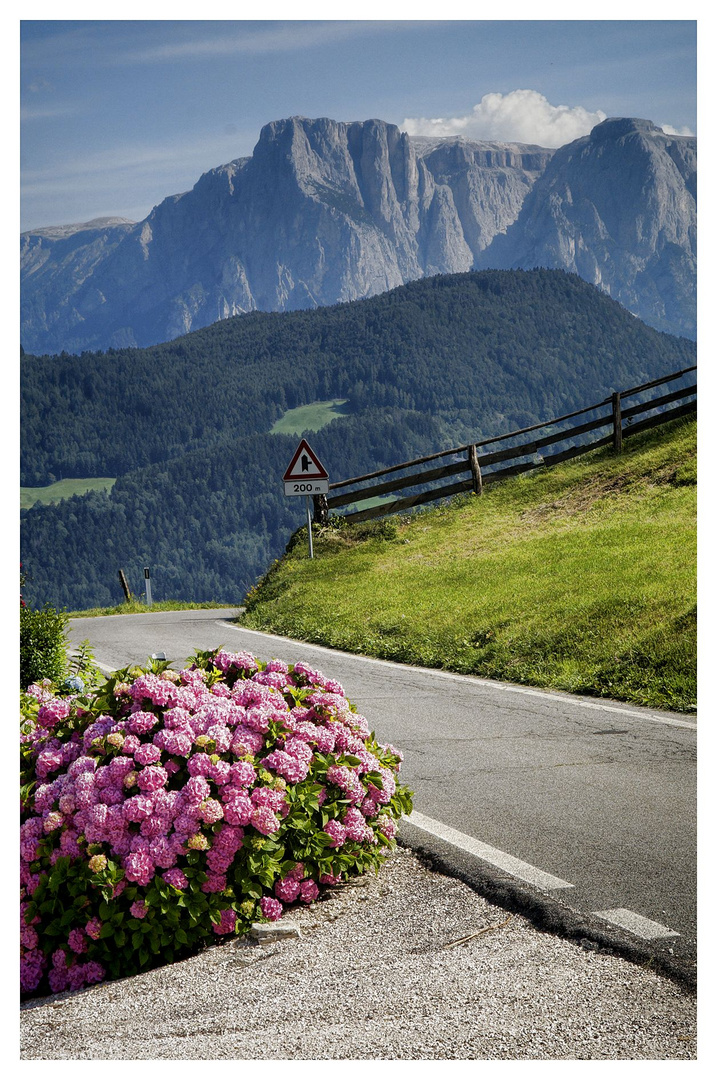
[[116, 115]]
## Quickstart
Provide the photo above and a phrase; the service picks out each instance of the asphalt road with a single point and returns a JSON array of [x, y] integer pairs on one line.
[[581, 811]]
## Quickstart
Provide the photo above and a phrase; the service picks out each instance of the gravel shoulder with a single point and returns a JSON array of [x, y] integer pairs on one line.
[[376, 970]]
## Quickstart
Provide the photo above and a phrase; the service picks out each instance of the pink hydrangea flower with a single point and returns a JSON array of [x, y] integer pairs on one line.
[[178, 742], [287, 889], [309, 891], [228, 922], [93, 927], [336, 831], [196, 790], [242, 774], [265, 820], [271, 908], [138, 909], [138, 866], [221, 736], [220, 772], [131, 745], [162, 852], [138, 807], [175, 878], [54, 820], [93, 972], [199, 764], [147, 754], [152, 778], [387, 826], [210, 811], [355, 824], [77, 941], [53, 711], [330, 879]]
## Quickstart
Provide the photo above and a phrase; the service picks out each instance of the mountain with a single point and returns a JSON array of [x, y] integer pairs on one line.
[[322, 212], [619, 208], [185, 426], [326, 212]]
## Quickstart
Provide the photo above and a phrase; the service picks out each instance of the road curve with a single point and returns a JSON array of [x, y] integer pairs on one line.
[[581, 811]]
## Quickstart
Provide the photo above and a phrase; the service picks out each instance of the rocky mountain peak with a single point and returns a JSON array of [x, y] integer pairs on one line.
[[326, 211]]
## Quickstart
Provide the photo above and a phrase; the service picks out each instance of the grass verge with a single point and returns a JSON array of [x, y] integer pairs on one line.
[[580, 578], [137, 607]]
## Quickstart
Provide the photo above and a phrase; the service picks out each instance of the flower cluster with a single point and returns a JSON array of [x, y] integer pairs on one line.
[[175, 806]]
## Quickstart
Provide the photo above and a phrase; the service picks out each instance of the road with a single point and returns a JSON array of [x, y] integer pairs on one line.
[[582, 809]]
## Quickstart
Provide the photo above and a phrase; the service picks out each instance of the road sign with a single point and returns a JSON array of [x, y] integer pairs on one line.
[[305, 474]]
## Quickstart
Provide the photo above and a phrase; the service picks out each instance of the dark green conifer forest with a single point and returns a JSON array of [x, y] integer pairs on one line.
[[184, 426]]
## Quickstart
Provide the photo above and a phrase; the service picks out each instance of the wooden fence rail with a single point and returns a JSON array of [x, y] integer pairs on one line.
[[474, 460]]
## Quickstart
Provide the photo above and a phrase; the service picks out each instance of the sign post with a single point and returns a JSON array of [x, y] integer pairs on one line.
[[306, 476]]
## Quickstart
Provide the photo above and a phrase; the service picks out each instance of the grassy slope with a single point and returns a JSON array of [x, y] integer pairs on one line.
[[63, 489], [582, 577]]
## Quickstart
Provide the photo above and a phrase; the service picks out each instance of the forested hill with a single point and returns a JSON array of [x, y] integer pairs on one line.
[[496, 349], [184, 426]]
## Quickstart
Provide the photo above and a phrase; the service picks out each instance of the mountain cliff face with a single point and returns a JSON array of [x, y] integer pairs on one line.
[[325, 212], [322, 212], [619, 208]]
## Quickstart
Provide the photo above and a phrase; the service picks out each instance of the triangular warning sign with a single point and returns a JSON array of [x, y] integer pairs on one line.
[[305, 465]]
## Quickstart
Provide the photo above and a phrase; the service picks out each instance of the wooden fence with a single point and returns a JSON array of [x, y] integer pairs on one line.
[[480, 465]]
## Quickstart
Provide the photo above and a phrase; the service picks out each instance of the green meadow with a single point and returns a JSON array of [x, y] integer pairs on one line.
[[63, 489], [309, 417], [581, 578]]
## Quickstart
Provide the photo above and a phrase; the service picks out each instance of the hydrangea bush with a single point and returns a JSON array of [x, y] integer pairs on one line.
[[168, 809]]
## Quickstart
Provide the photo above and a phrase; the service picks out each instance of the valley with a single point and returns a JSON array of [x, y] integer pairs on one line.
[[198, 494]]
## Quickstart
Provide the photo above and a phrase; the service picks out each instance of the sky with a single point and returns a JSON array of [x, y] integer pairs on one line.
[[118, 114]]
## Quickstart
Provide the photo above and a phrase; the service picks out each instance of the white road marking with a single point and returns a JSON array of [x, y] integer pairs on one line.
[[636, 924], [629, 712], [500, 859], [470, 679]]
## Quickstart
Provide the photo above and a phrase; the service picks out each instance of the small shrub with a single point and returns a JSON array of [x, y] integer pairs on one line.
[[42, 645], [168, 809]]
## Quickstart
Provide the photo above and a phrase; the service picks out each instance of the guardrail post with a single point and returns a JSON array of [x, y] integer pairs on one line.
[[475, 470], [321, 509], [617, 424]]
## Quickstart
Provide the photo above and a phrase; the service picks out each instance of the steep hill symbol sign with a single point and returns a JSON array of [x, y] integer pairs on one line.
[[305, 475]]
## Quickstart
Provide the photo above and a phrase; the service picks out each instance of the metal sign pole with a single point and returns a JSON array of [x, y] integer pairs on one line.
[[308, 519]]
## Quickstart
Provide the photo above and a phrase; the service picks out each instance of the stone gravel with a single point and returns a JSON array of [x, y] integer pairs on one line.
[[374, 971]]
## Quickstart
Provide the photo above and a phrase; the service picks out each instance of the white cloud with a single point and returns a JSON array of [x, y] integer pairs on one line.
[[520, 116], [669, 130], [234, 39]]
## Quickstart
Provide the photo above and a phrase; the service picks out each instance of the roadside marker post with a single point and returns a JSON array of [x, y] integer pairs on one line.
[[147, 586], [306, 476]]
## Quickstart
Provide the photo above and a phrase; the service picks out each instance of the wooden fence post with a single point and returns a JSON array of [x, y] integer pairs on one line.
[[475, 470], [321, 509], [617, 424], [125, 586]]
